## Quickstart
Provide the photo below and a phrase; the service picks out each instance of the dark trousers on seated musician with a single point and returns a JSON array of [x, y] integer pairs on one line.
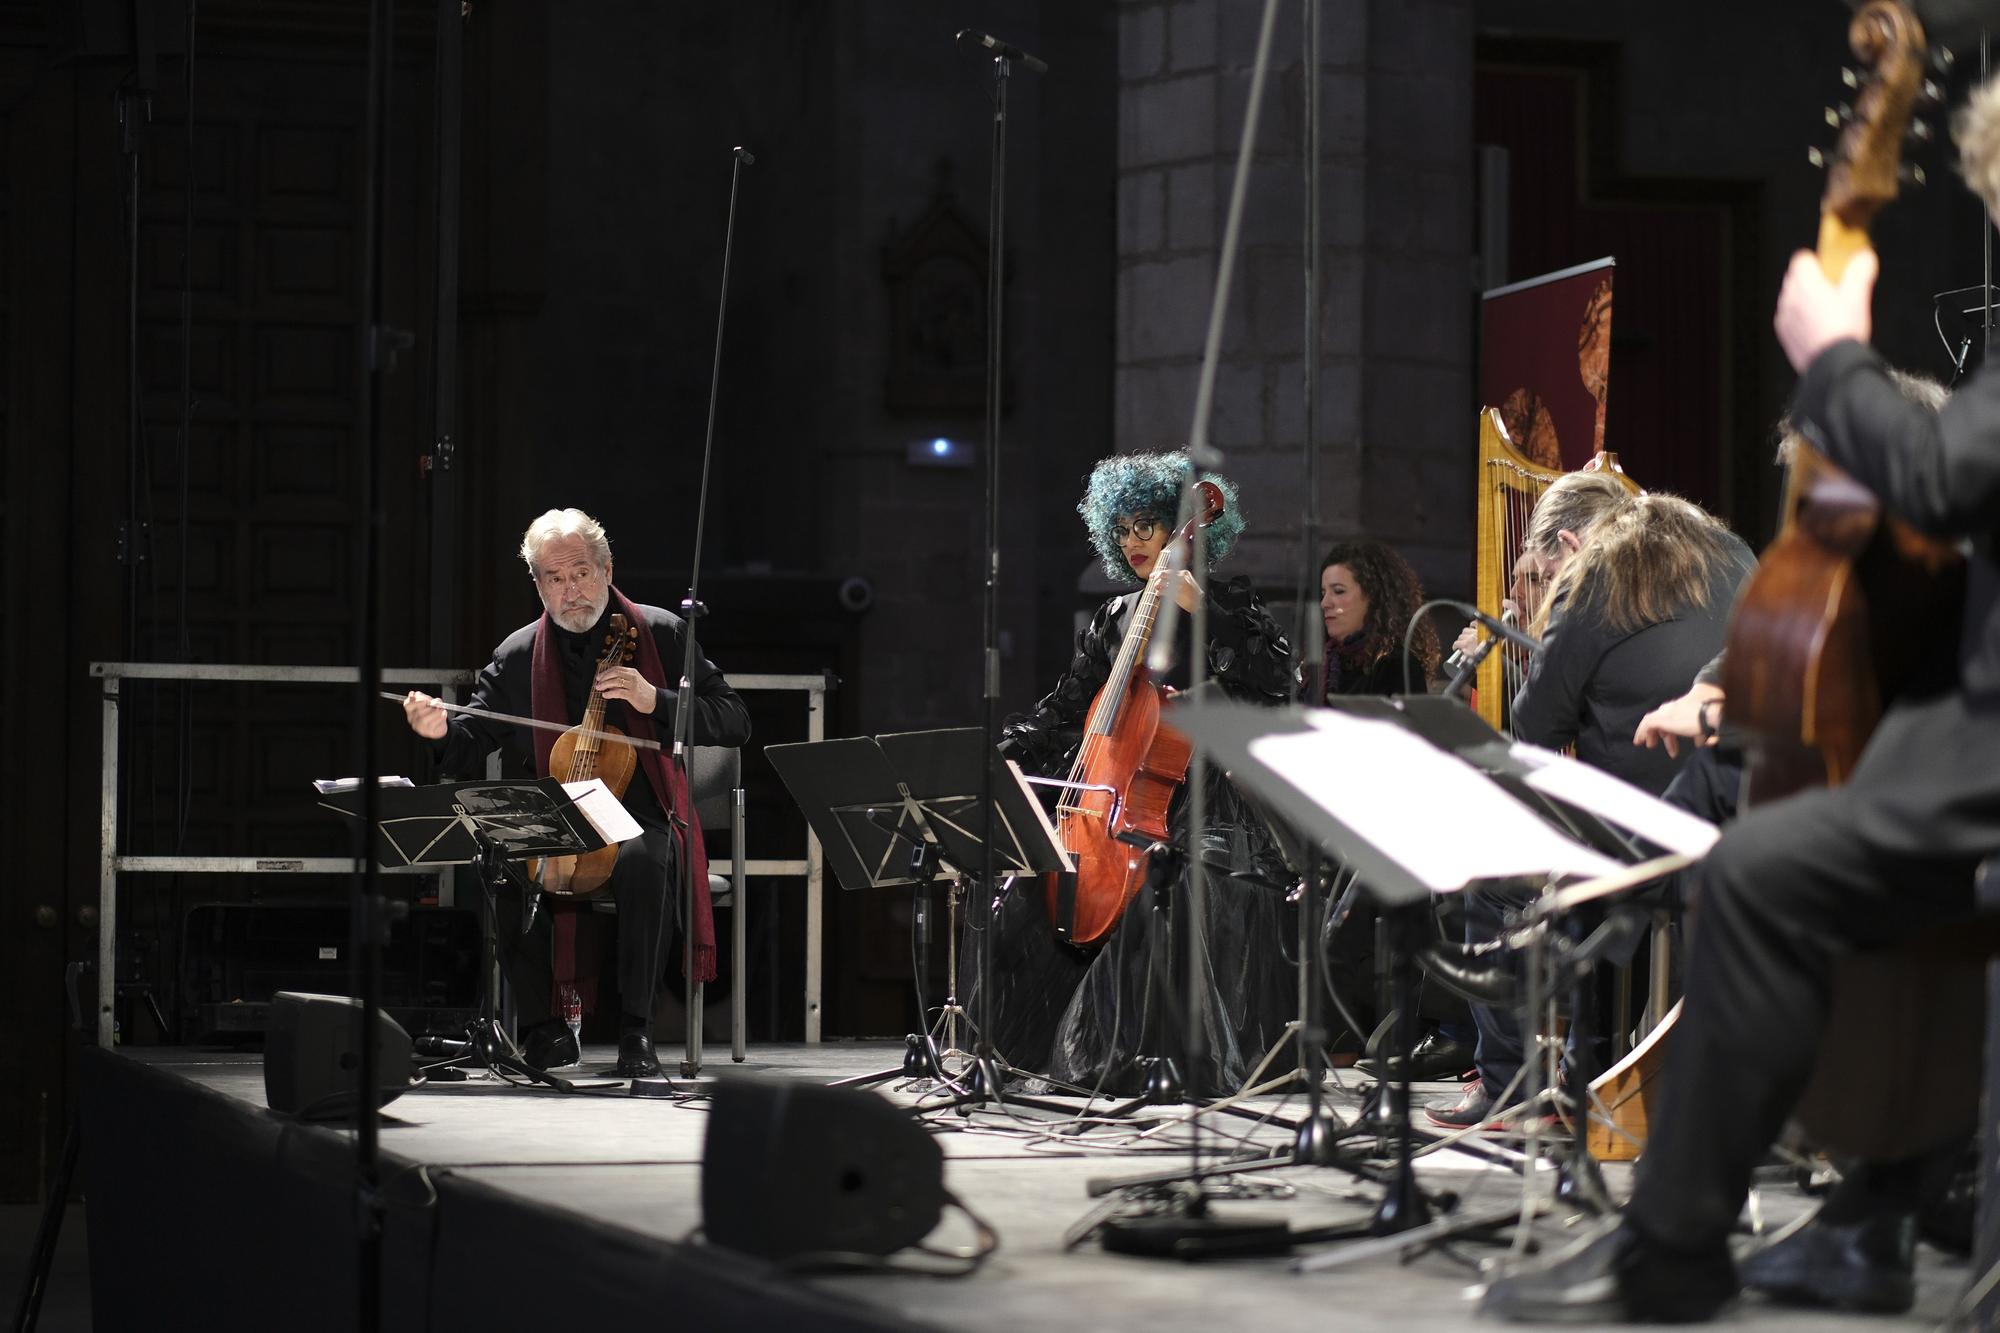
[[1502, 1047], [1789, 890], [645, 886]]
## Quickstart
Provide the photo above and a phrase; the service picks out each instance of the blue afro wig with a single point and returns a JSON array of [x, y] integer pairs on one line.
[[1149, 485]]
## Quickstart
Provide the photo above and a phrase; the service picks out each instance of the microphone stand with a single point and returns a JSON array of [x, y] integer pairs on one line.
[[692, 611], [983, 1080]]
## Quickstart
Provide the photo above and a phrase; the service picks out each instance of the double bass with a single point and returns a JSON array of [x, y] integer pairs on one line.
[[1126, 770], [1847, 604], [583, 753]]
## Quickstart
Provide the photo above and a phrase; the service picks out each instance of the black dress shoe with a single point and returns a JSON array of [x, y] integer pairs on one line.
[[1435, 1057], [636, 1058], [550, 1045], [1869, 1264], [1616, 1275]]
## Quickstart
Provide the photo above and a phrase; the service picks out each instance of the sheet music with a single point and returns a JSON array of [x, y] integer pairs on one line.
[[1615, 801], [327, 786], [1430, 812], [606, 813]]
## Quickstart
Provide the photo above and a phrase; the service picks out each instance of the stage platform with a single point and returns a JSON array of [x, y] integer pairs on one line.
[[512, 1208]]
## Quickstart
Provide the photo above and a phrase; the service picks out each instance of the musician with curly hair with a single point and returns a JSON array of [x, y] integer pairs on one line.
[[1083, 1017], [1367, 594]]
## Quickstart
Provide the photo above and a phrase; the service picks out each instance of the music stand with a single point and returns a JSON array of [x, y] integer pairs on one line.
[[892, 809], [1342, 777], [485, 824]]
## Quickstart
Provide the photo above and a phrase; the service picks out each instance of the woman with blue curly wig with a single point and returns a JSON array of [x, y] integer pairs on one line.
[[1082, 1017]]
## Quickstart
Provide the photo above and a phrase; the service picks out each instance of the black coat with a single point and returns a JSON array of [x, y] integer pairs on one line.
[[1931, 771], [1592, 684], [506, 685], [1395, 672], [1247, 654]]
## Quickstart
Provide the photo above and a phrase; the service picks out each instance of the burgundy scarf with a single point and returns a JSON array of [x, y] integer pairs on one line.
[[668, 782]]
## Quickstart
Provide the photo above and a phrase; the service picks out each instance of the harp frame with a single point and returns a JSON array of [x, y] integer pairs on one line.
[[1508, 486]]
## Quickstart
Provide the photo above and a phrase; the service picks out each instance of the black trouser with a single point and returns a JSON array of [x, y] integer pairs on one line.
[[1790, 888], [646, 887]]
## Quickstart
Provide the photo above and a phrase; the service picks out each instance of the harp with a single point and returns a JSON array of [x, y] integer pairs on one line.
[[1508, 486]]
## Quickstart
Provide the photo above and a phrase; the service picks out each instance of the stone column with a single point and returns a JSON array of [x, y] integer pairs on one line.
[[1396, 436]]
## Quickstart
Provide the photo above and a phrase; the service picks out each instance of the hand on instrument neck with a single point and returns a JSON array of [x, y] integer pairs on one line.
[[1186, 591], [1814, 312], [626, 684]]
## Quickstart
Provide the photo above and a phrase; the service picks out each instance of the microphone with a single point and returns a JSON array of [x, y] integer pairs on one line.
[[1457, 658], [744, 155], [1503, 628], [1005, 50]]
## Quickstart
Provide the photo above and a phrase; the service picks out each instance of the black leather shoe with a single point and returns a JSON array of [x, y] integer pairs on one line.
[[1616, 1275], [550, 1045], [1435, 1057], [636, 1058], [1869, 1264]]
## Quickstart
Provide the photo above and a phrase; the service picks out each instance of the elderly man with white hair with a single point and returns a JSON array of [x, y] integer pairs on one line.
[[547, 670]]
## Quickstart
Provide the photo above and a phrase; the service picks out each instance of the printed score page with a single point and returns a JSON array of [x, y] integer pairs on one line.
[[1616, 801], [1430, 812], [605, 812]]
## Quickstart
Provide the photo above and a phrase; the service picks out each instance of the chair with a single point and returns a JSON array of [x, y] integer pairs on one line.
[[715, 786]]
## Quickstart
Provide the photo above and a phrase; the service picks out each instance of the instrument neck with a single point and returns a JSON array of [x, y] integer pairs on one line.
[[1131, 653], [583, 759]]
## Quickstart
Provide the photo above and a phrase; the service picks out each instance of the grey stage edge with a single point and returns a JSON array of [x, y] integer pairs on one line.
[[206, 1211], [209, 1212]]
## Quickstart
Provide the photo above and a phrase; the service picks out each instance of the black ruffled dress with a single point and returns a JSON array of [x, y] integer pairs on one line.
[[1082, 1016]]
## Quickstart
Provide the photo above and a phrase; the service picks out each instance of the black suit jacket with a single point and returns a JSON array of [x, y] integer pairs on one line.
[[1592, 684], [1931, 771], [506, 685]]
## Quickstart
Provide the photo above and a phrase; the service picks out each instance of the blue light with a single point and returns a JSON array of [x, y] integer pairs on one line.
[[940, 447]]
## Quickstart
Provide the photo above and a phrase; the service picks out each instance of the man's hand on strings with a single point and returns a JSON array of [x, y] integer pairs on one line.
[[1814, 313], [424, 716], [1681, 719], [629, 687]]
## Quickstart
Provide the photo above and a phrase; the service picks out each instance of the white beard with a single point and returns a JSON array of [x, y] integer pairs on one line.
[[577, 622]]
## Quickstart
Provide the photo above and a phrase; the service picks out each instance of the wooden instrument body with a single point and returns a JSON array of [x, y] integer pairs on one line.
[[579, 757], [1146, 761], [1845, 606], [1127, 768]]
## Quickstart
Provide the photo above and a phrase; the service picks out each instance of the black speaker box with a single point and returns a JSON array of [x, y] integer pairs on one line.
[[794, 1168], [312, 1052]]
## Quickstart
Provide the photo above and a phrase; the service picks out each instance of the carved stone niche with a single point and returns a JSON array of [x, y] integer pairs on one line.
[[936, 276]]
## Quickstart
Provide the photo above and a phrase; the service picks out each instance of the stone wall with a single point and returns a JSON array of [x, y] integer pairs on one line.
[[1394, 436]]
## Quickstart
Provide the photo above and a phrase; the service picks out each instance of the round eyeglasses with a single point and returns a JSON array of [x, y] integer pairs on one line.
[[1142, 528]]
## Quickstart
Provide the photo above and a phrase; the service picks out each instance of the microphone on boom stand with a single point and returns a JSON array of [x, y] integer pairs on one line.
[[1005, 50], [1463, 665]]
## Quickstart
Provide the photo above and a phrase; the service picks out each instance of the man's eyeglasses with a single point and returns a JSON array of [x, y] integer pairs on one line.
[[1143, 529]]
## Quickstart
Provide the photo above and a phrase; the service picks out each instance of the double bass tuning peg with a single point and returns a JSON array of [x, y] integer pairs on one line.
[[1941, 60], [1838, 115], [1930, 94], [1909, 173], [1921, 133]]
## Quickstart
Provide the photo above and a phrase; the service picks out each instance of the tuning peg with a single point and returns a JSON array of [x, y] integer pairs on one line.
[[1921, 133], [1816, 157], [1909, 173], [1942, 59], [1849, 77], [1838, 115], [1930, 94]]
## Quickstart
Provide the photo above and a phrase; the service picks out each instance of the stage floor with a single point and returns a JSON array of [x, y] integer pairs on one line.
[[635, 1163]]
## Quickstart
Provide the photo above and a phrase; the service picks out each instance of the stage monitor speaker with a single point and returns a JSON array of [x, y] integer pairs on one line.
[[312, 1051], [793, 1169]]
